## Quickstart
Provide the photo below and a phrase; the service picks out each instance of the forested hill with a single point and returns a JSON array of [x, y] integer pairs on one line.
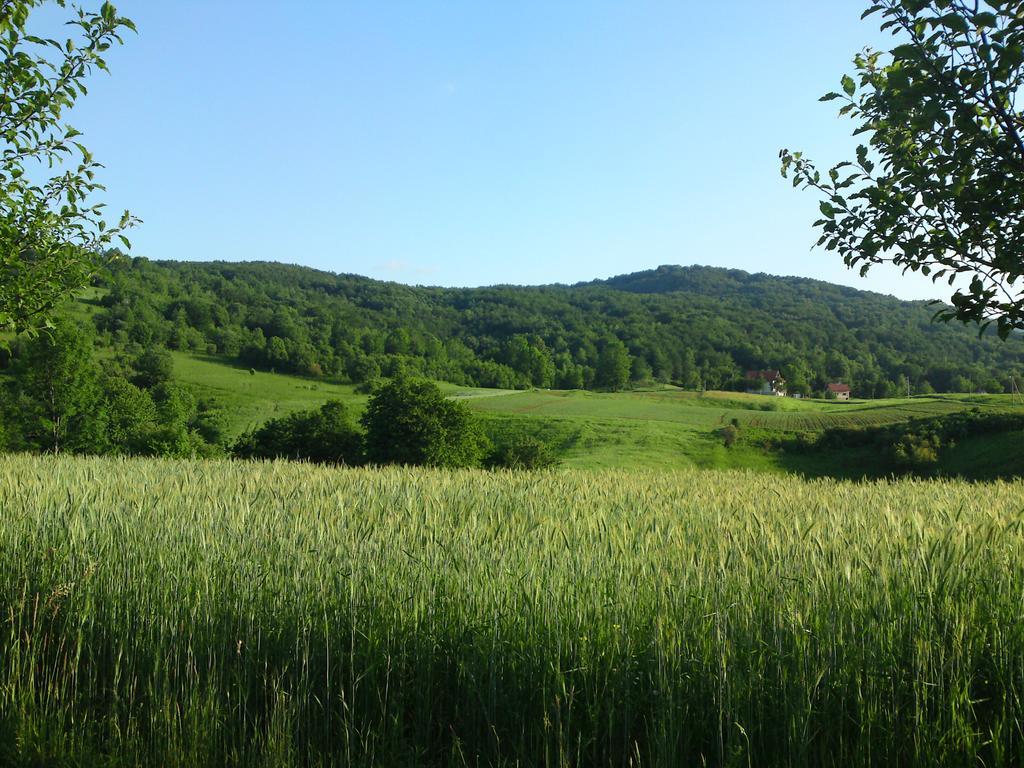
[[695, 326], [726, 283]]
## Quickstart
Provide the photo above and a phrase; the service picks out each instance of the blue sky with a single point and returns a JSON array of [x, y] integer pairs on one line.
[[473, 143]]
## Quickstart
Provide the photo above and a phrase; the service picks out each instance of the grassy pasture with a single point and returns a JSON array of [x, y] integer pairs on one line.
[[215, 613], [663, 428], [252, 399], [672, 428]]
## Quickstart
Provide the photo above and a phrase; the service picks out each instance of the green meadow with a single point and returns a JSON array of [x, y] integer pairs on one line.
[[663, 428]]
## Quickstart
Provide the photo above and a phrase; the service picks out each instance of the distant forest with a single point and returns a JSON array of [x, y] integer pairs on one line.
[[698, 327]]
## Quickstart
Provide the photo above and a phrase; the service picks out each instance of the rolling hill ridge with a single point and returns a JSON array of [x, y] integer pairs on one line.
[[698, 327]]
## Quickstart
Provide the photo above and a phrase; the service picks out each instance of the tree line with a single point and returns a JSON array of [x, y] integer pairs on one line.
[[697, 327], [64, 397]]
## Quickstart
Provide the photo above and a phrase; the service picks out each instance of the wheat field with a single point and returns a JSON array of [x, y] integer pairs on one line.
[[176, 613]]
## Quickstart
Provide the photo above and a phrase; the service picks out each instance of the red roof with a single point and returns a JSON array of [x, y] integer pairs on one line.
[[766, 375], [838, 388]]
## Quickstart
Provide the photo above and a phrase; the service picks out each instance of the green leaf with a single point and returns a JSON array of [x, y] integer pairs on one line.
[[984, 19], [849, 87]]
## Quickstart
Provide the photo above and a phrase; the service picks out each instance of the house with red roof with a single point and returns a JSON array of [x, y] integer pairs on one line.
[[838, 391]]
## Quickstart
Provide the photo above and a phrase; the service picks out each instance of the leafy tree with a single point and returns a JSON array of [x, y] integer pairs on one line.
[[797, 378], [153, 367], [326, 435], [939, 186], [277, 352], [210, 422], [916, 452], [409, 421], [179, 430], [52, 236], [531, 358], [688, 372], [570, 375], [360, 368], [175, 406], [58, 397], [992, 386], [640, 370], [132, 418], [613, 365]]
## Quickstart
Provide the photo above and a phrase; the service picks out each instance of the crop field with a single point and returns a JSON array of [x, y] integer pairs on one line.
[[182, 613]]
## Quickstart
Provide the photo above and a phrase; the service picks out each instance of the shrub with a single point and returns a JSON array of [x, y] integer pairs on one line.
[[917, 452], [367, 387], [524, 452], [409, 421], [729, 434], [326, 436]]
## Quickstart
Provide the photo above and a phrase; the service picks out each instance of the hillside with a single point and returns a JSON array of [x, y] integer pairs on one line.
[[697, 327]]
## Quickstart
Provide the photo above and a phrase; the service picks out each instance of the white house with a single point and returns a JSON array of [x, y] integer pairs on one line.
[[770, 381]]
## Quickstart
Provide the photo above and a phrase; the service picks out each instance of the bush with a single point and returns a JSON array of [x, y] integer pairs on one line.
[[917, 452], [729, 434], [367, 387], [324, 436], [524, 452], [409, 421]]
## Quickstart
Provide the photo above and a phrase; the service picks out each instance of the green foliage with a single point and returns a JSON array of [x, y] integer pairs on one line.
[[409, 421], [52, 235], [919, 453], [530, 359], [176, 434], [656, 428], [937, 188], [153, 367], [613, 365], [132, 419], [729, 434], [523, 452], [917, 446], [696, 327], [57, 397], [326, 436], [210, 422]]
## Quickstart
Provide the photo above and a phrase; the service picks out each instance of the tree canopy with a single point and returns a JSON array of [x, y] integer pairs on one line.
[[692, 326], [938, 185], [52, 232], [409, 421], [62, 398]]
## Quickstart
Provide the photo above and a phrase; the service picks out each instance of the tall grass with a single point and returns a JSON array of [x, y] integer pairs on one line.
[[182, 614]]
